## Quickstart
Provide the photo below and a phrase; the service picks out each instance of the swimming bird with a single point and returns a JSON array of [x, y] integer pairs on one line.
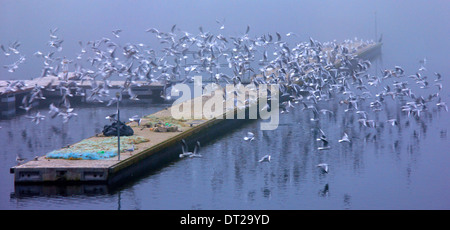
[[67, 115], [25, 105], [438, 75], [439, 85], [265, 158], [132, 95], [250, 136], [221, 23], [5, 52], [114, 100], [344, 138], [324, 167]]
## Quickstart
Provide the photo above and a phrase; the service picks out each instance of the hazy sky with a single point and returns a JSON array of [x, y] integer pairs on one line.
[[423, 25]]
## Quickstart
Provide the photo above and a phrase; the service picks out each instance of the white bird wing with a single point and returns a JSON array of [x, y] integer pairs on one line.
[[197, 147]]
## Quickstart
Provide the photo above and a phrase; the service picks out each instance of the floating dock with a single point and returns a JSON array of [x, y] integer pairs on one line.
[[162, 147], [11, 98]]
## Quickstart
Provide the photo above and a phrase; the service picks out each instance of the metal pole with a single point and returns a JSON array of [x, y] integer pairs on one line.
[[118, 126]]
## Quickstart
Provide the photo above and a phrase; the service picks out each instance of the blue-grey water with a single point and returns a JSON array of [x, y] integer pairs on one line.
[[403, 167]]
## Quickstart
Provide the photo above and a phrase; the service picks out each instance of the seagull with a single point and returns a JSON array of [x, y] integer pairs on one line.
[[185, 149], [130, 149], [265, 158], [422, 68], [116, 33], [135, 118], [393, 122], [19, 159], [111, 117], [37, 118], [344, 138], [323, 166], [250, 136]]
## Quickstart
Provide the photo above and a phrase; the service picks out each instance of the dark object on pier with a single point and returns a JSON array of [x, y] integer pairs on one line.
[[111, 130]]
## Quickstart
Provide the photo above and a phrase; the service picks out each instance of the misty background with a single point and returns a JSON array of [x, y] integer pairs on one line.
[[414, 29]]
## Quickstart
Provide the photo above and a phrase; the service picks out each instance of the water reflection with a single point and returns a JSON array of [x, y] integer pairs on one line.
[[229, 174], [22, 191], [325, 192]]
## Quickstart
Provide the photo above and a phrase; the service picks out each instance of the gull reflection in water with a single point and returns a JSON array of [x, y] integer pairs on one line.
[[325, 192]]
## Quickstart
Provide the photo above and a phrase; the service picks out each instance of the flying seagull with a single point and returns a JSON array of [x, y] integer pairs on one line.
[[265, 158], [323, 167], [250, 136], [344, 138], [185, 149]]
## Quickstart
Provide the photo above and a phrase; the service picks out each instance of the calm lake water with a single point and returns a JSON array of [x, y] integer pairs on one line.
[[402, 167]]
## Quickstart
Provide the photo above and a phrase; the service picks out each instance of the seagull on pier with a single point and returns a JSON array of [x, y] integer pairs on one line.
[[130, 149], [25, 105], [291, 34], [112, 117], [135, 118], [344, 138]]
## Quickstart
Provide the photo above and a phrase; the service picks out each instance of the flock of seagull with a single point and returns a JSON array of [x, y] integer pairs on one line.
[[306, 73]]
